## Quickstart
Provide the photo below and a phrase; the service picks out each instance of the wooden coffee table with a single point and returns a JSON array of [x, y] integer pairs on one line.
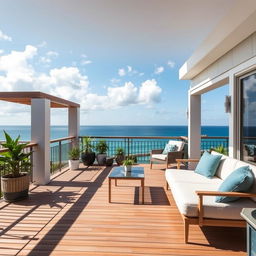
[[118, 173]]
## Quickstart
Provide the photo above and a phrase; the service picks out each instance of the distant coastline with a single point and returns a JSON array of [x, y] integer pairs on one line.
[[116, 130]]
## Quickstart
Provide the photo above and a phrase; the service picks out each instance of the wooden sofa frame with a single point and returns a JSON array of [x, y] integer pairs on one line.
[[200, 220], [170, 159]]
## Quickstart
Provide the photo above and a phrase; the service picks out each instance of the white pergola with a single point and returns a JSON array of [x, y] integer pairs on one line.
[[41, 103]]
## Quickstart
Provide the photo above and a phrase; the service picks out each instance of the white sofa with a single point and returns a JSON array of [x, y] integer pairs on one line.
[[195, 195]]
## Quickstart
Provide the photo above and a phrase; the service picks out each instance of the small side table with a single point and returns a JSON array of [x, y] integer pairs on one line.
[[249, 214], [118, 173]]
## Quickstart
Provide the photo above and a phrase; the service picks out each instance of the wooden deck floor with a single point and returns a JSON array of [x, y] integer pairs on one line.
[[72, 216]]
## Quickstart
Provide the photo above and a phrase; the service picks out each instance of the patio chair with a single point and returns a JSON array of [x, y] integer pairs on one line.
[[157, 155]]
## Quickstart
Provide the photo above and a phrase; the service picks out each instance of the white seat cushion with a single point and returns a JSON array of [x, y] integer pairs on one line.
[[178, 143], [183, 188], [159, 156]]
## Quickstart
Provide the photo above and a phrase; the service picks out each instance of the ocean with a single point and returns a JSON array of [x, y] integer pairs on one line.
[[115, 130]]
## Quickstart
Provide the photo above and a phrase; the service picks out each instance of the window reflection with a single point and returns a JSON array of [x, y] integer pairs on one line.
[[248, 118]]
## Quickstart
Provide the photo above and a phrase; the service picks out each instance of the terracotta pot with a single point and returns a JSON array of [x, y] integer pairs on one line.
[[15, 189]]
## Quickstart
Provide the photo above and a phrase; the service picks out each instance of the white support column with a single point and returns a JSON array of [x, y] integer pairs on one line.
[[194, 126], [233, 116], [40, 134], [74, 123]]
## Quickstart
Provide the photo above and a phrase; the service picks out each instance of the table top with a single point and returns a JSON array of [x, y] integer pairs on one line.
[[249, 214], [119, 172]]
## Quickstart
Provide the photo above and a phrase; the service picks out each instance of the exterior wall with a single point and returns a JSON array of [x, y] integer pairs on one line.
[[239, 54]]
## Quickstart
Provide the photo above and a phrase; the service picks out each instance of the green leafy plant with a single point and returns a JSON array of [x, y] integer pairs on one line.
[[128, 162], [119, 151], [101, 147], [74, 153], [87, 144], [220, 149], [15, 160]]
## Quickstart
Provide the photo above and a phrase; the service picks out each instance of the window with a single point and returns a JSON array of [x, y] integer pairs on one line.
[[248, 118]]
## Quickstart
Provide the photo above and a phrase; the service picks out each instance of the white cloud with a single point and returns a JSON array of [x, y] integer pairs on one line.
[[4, 37], [1, 51], [148, 94], [159, 70], [171, 64], [129, 68], [86, 62], [115, 81], [52, 54], [121, 72], [42, 44], [18, 74]]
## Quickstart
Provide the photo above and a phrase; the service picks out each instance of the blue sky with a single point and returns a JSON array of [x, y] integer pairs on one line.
[[119, 60]]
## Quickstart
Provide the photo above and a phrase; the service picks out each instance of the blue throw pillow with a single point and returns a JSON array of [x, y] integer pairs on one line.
[[208, 164], [169, 148], [239, 180]]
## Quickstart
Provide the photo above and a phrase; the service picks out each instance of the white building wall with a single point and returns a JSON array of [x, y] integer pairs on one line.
[[239, 54]]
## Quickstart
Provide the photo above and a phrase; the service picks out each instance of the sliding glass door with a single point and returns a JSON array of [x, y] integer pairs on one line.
[[248, 118]]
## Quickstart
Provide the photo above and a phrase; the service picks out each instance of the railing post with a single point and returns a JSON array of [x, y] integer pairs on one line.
[[60, 157], [31, 162], [128, 143]]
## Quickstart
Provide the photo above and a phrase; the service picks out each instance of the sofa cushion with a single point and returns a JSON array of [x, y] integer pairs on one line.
[[178, 143], [187, 200], [169, 148], [226, 167], [208, 164], [239, 180], [180, 176], [159, 156]]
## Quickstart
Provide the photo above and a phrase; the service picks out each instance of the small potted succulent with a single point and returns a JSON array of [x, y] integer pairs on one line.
[[74, 154], [16, 164], [101, 148], [120, 156], [88, 156], [127, 163]]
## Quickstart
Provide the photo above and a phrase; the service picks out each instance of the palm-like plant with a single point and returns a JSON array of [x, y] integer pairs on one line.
[[87, 144], [15, 160]]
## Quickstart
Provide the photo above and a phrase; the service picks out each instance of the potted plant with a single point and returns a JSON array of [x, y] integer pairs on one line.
[[120, 156], [74, 154], [16, 163], [101, 148], [88, 156], [127, 163]]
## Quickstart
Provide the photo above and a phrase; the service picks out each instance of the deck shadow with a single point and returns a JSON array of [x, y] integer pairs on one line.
[[66, 221]]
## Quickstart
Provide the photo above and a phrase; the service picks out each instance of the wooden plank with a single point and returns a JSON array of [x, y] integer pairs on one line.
[[72, 216]]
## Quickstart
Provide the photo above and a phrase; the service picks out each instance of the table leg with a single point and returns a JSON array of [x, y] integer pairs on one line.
[[142, 186], [109, 190], [115, 182]]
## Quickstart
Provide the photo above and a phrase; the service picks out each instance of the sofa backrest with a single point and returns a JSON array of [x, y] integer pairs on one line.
[[228, 165]]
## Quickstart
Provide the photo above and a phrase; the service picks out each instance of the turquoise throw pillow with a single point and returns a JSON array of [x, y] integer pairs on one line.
[[239, 180], [208, 164], [169, 148]]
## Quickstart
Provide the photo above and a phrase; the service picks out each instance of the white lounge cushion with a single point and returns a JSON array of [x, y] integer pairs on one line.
[[159, 156], [187, 201], [178, 143], [180, 176]]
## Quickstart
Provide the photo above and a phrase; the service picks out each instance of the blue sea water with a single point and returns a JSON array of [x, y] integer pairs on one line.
[[62, 131]]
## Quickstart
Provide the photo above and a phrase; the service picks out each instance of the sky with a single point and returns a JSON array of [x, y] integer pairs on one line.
[[119, 59]]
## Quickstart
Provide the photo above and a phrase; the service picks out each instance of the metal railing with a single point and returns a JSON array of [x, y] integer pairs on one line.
[[140, 147], [59, 153]]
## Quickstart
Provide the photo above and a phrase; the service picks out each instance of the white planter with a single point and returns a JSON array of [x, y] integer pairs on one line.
[[127, 168], [101, 159], [73, 164]]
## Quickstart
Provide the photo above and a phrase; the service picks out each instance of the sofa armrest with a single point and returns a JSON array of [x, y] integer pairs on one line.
[[179, 161], [201, 194], [156, 151]]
